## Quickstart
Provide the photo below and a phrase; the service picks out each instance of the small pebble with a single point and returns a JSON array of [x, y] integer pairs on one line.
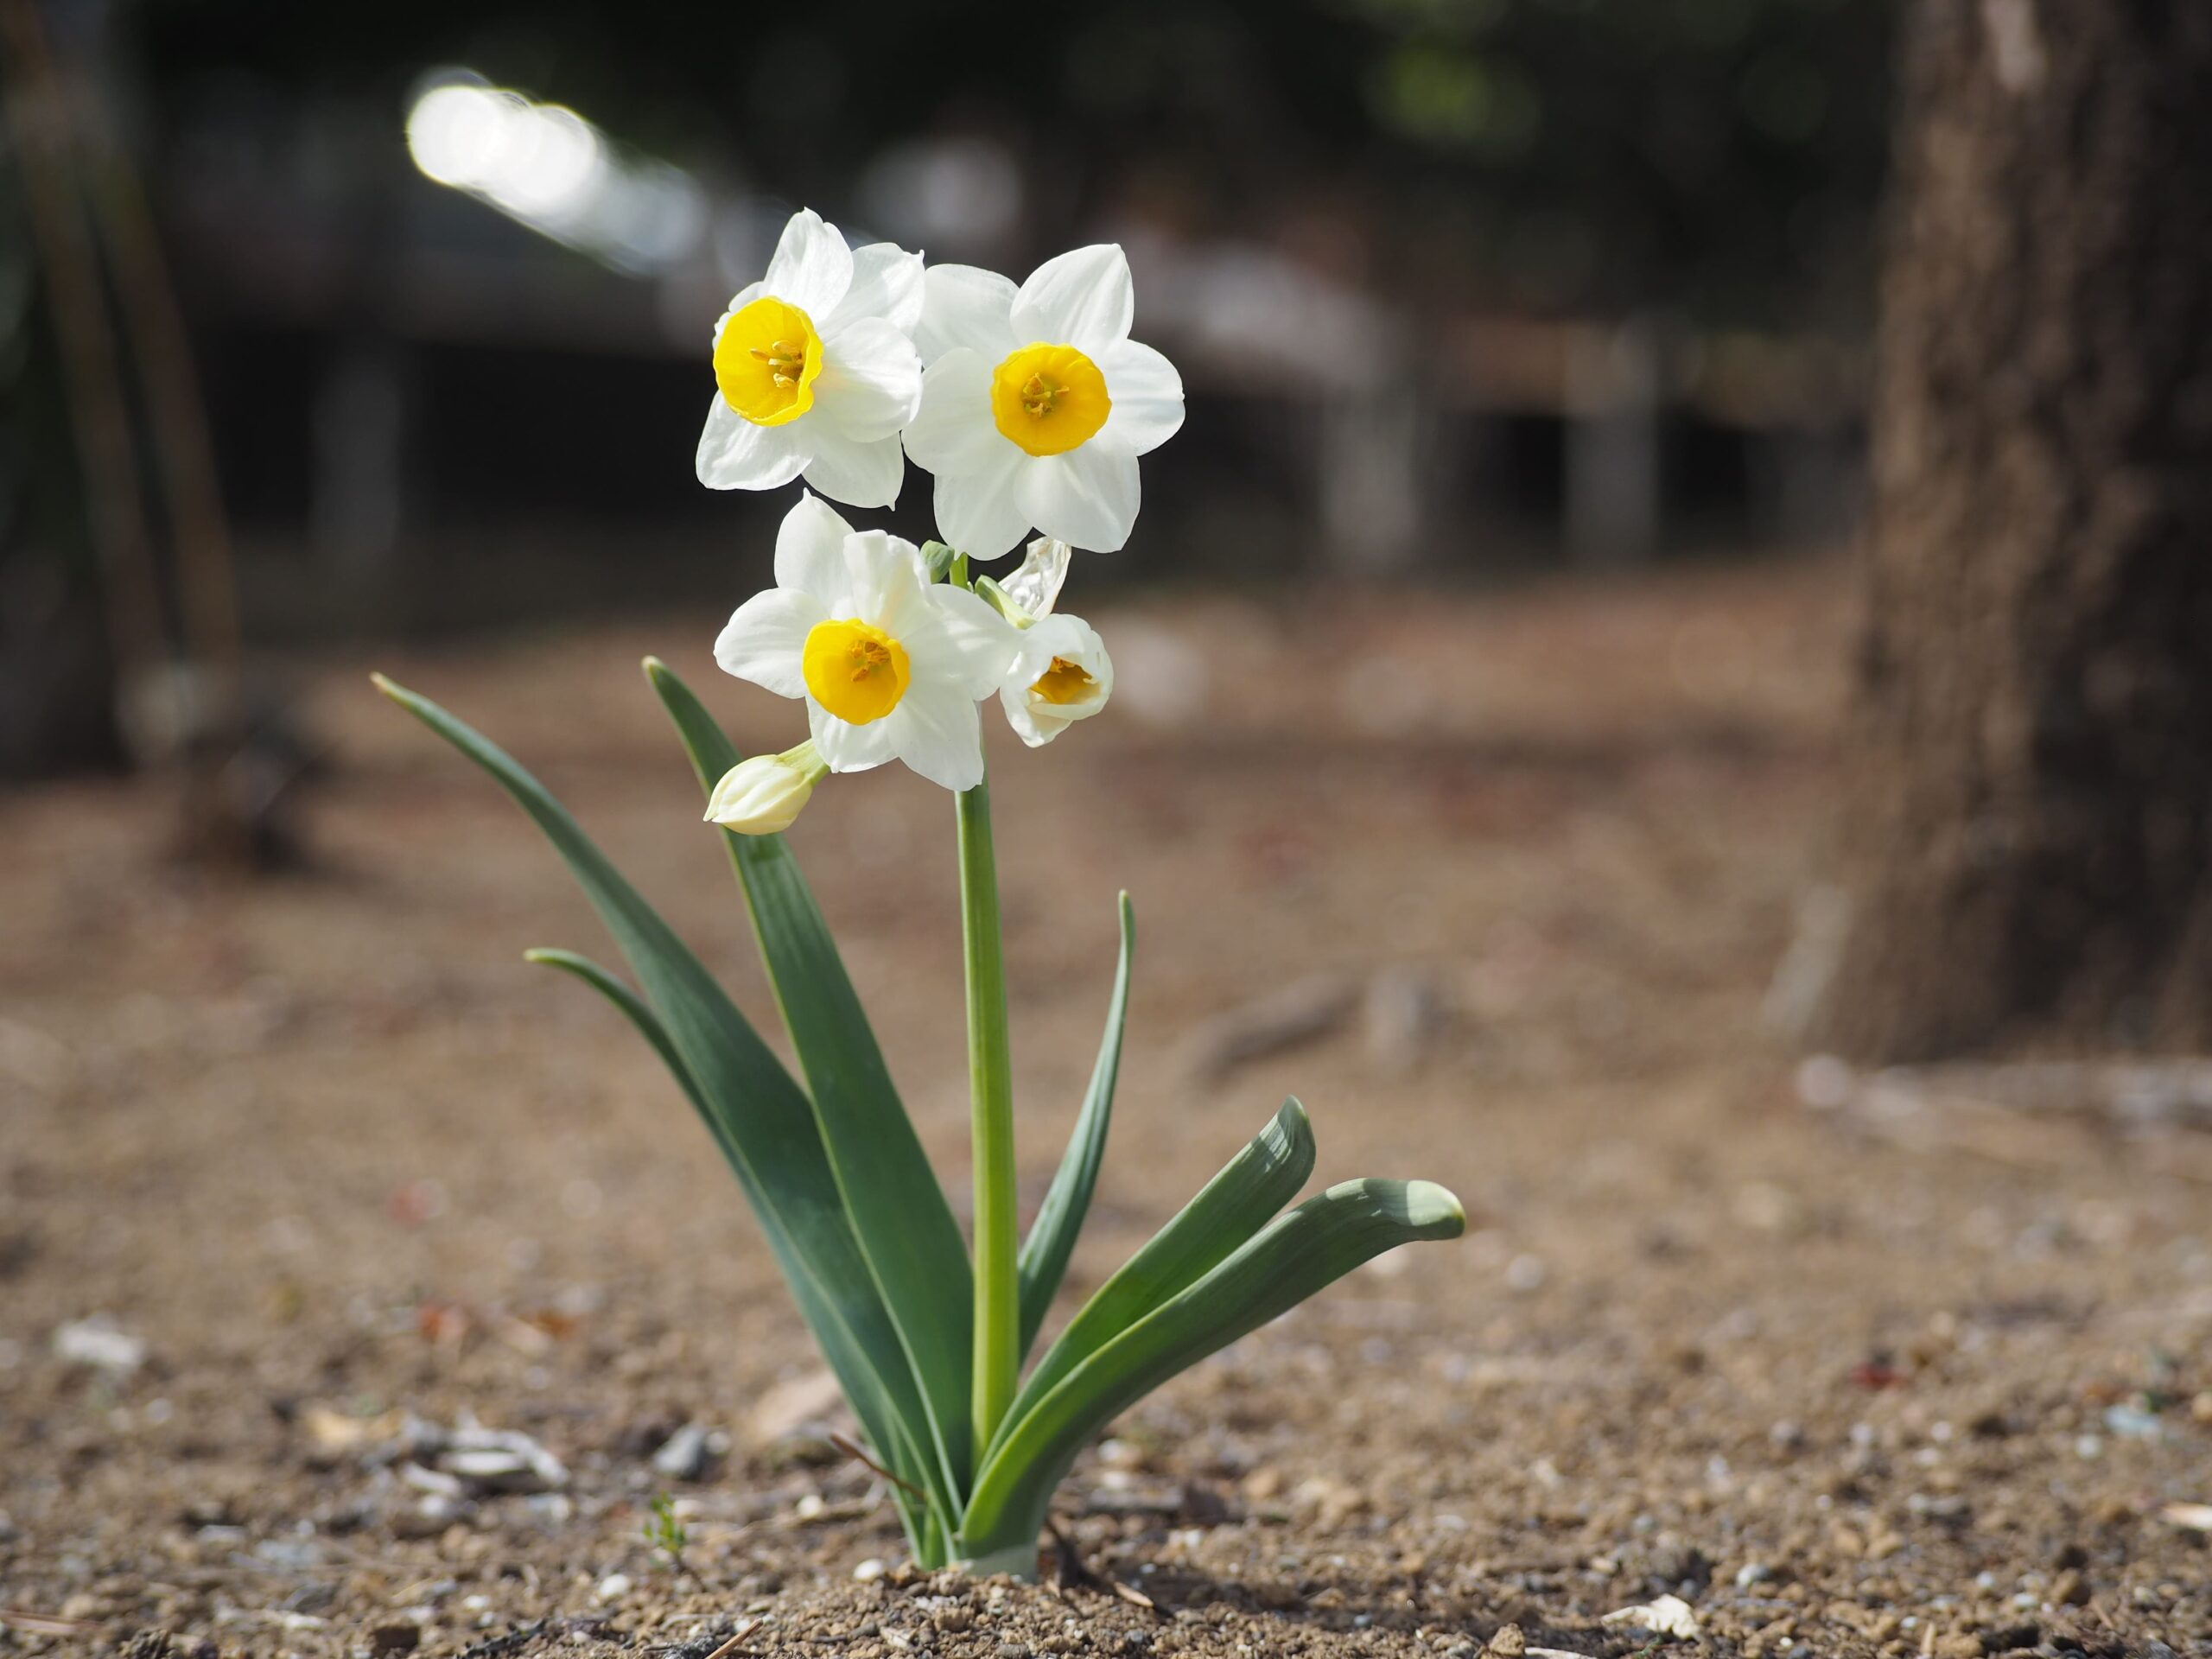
[[1525, 1274], [685, 1455], [613, 1587], [869, 1570]]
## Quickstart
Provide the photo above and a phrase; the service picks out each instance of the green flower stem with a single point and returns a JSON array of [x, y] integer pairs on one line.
[[998, 1291]]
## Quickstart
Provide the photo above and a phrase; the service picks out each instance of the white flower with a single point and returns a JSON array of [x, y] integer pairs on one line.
[[1036, 403], [1061, 674], [892, 665], [815, 372], [763, 796]]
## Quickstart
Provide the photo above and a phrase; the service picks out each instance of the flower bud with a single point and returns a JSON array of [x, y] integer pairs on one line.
[[763, 796]]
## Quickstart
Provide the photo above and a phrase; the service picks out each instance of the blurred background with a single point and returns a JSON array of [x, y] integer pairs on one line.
[[1662, 684], [406, 311]]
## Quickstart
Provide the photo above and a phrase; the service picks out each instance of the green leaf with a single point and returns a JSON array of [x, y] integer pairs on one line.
[[760, 1119], [1231, 1207], [631, 1006], [1294, 1256], [899, 1211], [1051, 1237], [919, 1523]]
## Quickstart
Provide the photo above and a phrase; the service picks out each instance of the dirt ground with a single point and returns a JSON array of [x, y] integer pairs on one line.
[[330, 1171]]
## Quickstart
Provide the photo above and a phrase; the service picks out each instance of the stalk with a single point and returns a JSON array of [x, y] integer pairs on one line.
[[998, 1291]]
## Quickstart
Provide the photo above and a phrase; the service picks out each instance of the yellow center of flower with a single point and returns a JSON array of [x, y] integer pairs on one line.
[[855, 669], [1062, 682], [1049, 398], [766, 360]]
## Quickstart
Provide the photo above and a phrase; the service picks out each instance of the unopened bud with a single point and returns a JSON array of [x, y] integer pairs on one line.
[[763, 796]]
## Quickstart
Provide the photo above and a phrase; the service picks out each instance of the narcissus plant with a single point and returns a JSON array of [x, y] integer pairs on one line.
[[934, 1335]]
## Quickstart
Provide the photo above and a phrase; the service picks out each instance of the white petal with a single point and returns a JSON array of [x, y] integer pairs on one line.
[[1036, 586], [811, 267], [1148, 398], [848, 747], [884, 581], [886, 283], [763, 641], [976, 644], [1082, 299], [871, 379], [963, 306], [980, 512], [1069, 637], [859, 474], [810, 549], [953, 431], [735, 455], [1088, 496], [1034, 727], [936, 732]]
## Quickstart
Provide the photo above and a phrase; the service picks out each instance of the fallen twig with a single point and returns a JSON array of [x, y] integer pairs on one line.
[[853, 1449], [41, 1623], [1070, 1568]]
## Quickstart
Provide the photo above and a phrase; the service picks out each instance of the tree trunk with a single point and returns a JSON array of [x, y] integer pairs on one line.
[[2027, 845]]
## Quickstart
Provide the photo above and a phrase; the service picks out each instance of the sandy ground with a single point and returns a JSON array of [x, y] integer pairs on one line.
[[325, 1156]]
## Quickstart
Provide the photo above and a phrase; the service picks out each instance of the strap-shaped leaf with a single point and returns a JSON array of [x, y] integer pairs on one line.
[[1295, 1255], [760, 1117], [899, 1211], [1228, 1210], [886, 1433], [1051, 1237]]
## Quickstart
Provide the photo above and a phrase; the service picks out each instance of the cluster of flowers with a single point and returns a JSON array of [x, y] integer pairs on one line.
[[1030, 405]]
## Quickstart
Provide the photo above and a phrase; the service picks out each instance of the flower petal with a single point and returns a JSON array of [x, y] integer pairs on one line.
[[1028, 726], [871, 379], [848, 747], [936, 732], [811, 267], [1147, 395], [859, 475], [1084, 299], [763, 641], [1036, 586], [884, 581], [975, 645], [735, 455], [811, 550], [953, 431], [886, 283], [979, 511], [964, 306], [1088, 496]]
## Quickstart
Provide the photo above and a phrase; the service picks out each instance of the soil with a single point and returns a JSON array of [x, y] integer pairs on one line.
[[340, 1172]]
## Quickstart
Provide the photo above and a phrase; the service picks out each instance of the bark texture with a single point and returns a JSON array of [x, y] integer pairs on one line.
[[2028, 837]]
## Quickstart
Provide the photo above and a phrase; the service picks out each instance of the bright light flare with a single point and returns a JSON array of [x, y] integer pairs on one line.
[[545, 165]]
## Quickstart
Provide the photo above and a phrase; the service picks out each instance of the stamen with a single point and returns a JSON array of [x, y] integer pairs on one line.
[[1062, 682], [1038, 394], [786, 359]]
